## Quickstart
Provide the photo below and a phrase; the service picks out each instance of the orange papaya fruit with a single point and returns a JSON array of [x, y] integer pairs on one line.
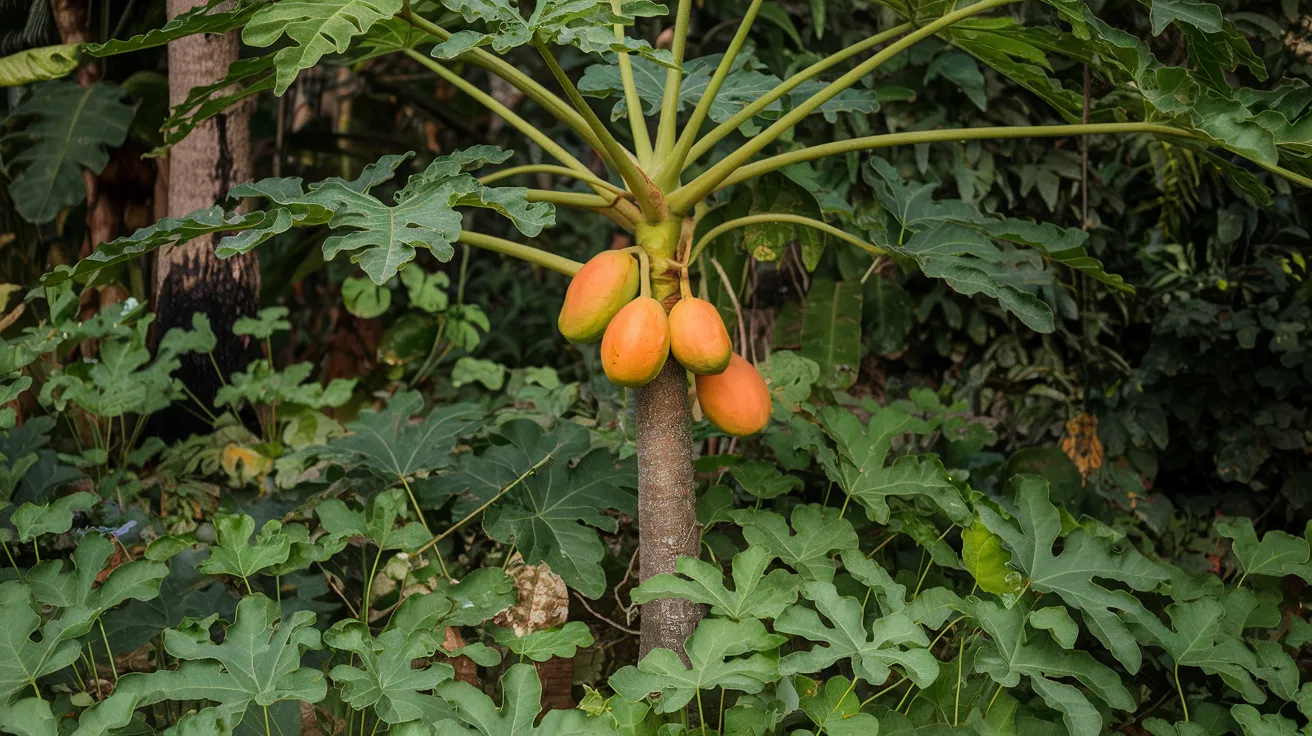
[[596, 294], [698, 338], [636, 343], [736, 400]]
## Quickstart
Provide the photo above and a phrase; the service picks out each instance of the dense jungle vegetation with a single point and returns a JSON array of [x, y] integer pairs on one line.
[[618, 367]]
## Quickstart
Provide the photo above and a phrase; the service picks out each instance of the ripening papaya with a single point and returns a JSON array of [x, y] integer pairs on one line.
[[636, 343], [596, 294], [737, 400], [698, 338]]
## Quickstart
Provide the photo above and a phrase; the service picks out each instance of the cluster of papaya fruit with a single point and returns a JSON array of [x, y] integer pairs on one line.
[[637, 337]]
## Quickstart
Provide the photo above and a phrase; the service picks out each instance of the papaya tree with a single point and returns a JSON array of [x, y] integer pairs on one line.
[[686, 135]]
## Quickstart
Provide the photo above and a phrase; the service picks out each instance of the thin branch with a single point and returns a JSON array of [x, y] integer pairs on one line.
[[673, 80], [592, 179], [825, 227], [682, 199], [747, 113], [672, 165], [528, 253], [907, 138], [649, 199]]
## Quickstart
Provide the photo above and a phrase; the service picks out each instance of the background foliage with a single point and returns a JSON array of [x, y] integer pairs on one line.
[[954, 523]]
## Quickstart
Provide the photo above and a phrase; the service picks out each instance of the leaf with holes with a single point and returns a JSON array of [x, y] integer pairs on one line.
[[23, 659], [755, 594], [69, 129], [38, 64], [892, 640], [714, 652], [1073, 574]]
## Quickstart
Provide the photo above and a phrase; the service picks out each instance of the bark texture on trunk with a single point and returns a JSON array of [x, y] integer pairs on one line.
[[202, 168], [667, 507]]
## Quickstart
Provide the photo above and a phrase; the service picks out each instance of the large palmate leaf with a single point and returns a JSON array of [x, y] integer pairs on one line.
[[755, 594], [1057, 244], [858, 466], [69, 128], [586, 24], [1073, 574], [239, 552], [539, 646], [1199, 638], [77, 589], [382, 238], [316, 28], [56, 517], [551, 514], [818, 531], [1011, 653], [23, 659], [892, 640], [520, 705], [384, 679], [258, 663], [714, 654], [390, 445], [1277, 554], [185, 592], [929, 608], [377, 523]]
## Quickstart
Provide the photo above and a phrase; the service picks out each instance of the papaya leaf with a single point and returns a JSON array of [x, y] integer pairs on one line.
[[1277, 554], [892, 640], [258, 664], [29, 717], [1010, 654], [245, 78], [539, 646], [819, 532], [38, 65], [389, 445], [763, 480], [23, 659], [1073, 574], [859, 467], [1057, 244], [755, 595], [235, 554], [987, 562], [714, 654], [77, 588], [69, 129], [261, 385], [585, 24], [833, 707], [316, 28], [384, 679], [377, 523], [520, 705], [551, 514], [201, 19], [1198, 639], [1057, 621]]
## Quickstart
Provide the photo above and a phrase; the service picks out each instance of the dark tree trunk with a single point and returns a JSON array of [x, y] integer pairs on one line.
[[202, 168]]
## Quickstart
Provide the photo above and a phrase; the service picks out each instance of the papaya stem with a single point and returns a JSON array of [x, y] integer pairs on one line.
[[665, 128], [536, 256], [825, 227], [586, 177]]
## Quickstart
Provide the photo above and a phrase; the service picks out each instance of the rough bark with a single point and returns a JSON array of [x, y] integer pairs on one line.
[[667, 513], [203, 167]]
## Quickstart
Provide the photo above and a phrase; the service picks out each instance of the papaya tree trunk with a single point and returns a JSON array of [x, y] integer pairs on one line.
[[202, 168], [667, 503]]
